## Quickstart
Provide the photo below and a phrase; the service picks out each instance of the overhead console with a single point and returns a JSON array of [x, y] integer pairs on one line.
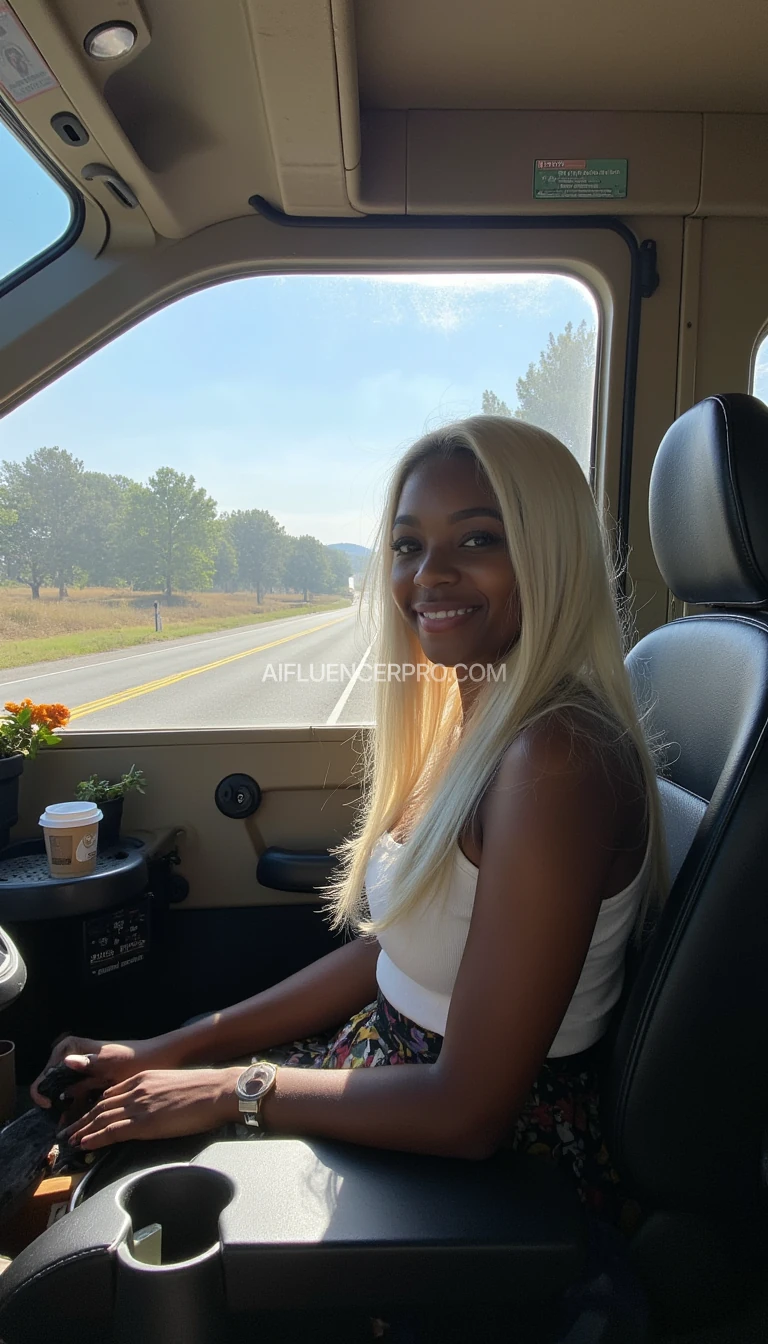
[[476, 162], [335, 108]]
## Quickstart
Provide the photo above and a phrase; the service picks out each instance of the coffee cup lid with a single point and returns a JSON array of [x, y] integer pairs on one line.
[[59, 815]]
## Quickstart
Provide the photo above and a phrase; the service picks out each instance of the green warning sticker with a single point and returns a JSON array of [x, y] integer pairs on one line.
[[579, 179]]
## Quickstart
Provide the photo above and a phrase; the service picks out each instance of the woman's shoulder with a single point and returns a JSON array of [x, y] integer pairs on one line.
[[578, 753], [578, 739]]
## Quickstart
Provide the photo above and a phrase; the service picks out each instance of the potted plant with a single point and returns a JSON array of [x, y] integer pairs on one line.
[[110, 795], [24, 730]]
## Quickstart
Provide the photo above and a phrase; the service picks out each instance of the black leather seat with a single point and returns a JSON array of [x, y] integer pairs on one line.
[[686, 1099], [686, 1064]]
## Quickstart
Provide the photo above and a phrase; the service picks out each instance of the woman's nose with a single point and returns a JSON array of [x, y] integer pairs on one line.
[[435, 568]]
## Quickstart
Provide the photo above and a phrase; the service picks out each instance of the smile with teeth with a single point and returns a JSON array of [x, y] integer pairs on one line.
[[448, 616]]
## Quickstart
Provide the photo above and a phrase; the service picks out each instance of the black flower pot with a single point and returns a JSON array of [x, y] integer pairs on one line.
[[109, 826], [10, 770]]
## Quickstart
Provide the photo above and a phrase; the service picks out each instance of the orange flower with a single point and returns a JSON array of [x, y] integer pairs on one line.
[[52, 716], [13, 708], [56, 716]]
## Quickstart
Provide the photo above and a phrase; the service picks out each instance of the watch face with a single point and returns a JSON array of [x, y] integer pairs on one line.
[[255, 1081]]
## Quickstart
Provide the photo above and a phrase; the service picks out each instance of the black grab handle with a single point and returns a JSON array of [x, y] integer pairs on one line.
[[294, 869]]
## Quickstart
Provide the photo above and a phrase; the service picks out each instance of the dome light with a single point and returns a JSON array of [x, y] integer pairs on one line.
[[109, 41]]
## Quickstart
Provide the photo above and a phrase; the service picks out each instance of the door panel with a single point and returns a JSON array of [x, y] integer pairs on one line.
[[306, 777]]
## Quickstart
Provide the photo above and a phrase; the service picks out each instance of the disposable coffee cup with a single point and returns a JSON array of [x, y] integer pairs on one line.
[[71, 833]]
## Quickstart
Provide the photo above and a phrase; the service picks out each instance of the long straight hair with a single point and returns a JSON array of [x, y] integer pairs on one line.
[[422, 759]]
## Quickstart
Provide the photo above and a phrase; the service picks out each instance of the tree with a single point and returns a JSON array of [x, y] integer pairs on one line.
[[225, 577], [259, 542], [493, 405], [338, 569], [43, 541], [174, 538], [306, 567], [105, 542], [557, 393]]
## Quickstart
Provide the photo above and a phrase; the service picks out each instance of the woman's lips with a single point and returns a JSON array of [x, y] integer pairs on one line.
[[446, 618]]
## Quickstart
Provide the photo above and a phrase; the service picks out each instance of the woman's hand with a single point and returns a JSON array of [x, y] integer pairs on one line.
[[103, 1063], [159, 1104]]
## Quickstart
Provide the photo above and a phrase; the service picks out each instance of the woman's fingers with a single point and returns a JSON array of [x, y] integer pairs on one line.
[[37, 1097], [113, 1103], [80, 1062], [111, 1127], [122, 1088]]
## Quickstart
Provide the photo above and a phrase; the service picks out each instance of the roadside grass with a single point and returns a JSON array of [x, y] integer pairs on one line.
[[95, 620]]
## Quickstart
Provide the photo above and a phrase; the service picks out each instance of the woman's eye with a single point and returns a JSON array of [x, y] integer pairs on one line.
[[404, 545], [481, 539]]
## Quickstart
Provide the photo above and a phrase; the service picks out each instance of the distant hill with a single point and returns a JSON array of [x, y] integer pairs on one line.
[[357, 555]]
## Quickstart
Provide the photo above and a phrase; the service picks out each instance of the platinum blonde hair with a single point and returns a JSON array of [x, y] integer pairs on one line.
[[421, 759]]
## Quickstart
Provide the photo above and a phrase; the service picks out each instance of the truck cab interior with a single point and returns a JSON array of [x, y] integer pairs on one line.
[[219, 223]]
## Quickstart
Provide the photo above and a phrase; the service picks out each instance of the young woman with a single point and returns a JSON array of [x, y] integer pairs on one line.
[[508, 844]]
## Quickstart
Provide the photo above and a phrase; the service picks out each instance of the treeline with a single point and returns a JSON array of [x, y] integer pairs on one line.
[[62, 525]]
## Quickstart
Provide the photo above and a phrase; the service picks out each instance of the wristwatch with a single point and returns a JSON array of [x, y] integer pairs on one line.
[[251, 1088]]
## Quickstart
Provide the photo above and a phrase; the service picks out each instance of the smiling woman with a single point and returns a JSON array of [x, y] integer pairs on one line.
[[508, 842], [244, 478]]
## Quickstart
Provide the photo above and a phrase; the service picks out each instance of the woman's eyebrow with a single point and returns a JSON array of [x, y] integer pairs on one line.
[[480, 511]]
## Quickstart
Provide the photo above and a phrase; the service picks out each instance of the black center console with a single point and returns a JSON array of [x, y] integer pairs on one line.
[[250, 1231]]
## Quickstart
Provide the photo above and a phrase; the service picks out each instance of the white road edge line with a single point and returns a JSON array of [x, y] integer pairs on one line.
[[167, 645], [343, 698]]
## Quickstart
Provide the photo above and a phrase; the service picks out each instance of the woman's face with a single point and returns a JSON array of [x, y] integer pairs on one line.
[[452, 578]]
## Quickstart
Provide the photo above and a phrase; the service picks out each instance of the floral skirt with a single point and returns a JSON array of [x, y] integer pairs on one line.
[[559, 1121]]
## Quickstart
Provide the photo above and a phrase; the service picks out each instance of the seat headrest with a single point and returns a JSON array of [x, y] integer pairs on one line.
[[709, 503]]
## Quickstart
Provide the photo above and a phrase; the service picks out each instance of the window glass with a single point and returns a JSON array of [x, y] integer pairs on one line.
[[760, 375], [36, 211], [185, 516]]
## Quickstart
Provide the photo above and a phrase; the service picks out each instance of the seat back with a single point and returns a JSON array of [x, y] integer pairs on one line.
[[686, 1086]]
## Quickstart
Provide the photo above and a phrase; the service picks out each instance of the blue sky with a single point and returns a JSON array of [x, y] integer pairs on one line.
[[294, 394]]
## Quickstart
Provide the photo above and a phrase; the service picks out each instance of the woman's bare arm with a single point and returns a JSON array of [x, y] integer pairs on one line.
[[552, 826], [317, 998]]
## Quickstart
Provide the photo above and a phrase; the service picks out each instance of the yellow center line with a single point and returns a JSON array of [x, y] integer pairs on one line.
[[119, 697]]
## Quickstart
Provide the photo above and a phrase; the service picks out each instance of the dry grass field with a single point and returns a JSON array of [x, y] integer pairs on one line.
[[93, 620]]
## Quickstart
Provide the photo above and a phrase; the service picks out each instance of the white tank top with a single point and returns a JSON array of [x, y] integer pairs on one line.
[[421, 952]]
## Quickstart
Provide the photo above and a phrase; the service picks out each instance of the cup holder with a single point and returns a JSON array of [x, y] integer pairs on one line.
[[185, 1203]]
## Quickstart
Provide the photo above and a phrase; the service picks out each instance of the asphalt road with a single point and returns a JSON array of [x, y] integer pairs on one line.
[[298, 670]]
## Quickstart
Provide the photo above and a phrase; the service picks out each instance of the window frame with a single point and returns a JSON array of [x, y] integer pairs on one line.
[[760, 341], [77, 202], [132, 286]]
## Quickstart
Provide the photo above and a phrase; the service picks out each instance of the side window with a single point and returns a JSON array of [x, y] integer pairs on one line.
[[36, 211], [760, 372], [185, 516]]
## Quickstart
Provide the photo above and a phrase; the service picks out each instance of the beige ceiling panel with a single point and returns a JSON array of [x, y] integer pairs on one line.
[[734, 178], [345, 45], [180, 118], [127, 228], [70, 65], [692, 55], [296, 58], [482, 162], [380, 185]]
